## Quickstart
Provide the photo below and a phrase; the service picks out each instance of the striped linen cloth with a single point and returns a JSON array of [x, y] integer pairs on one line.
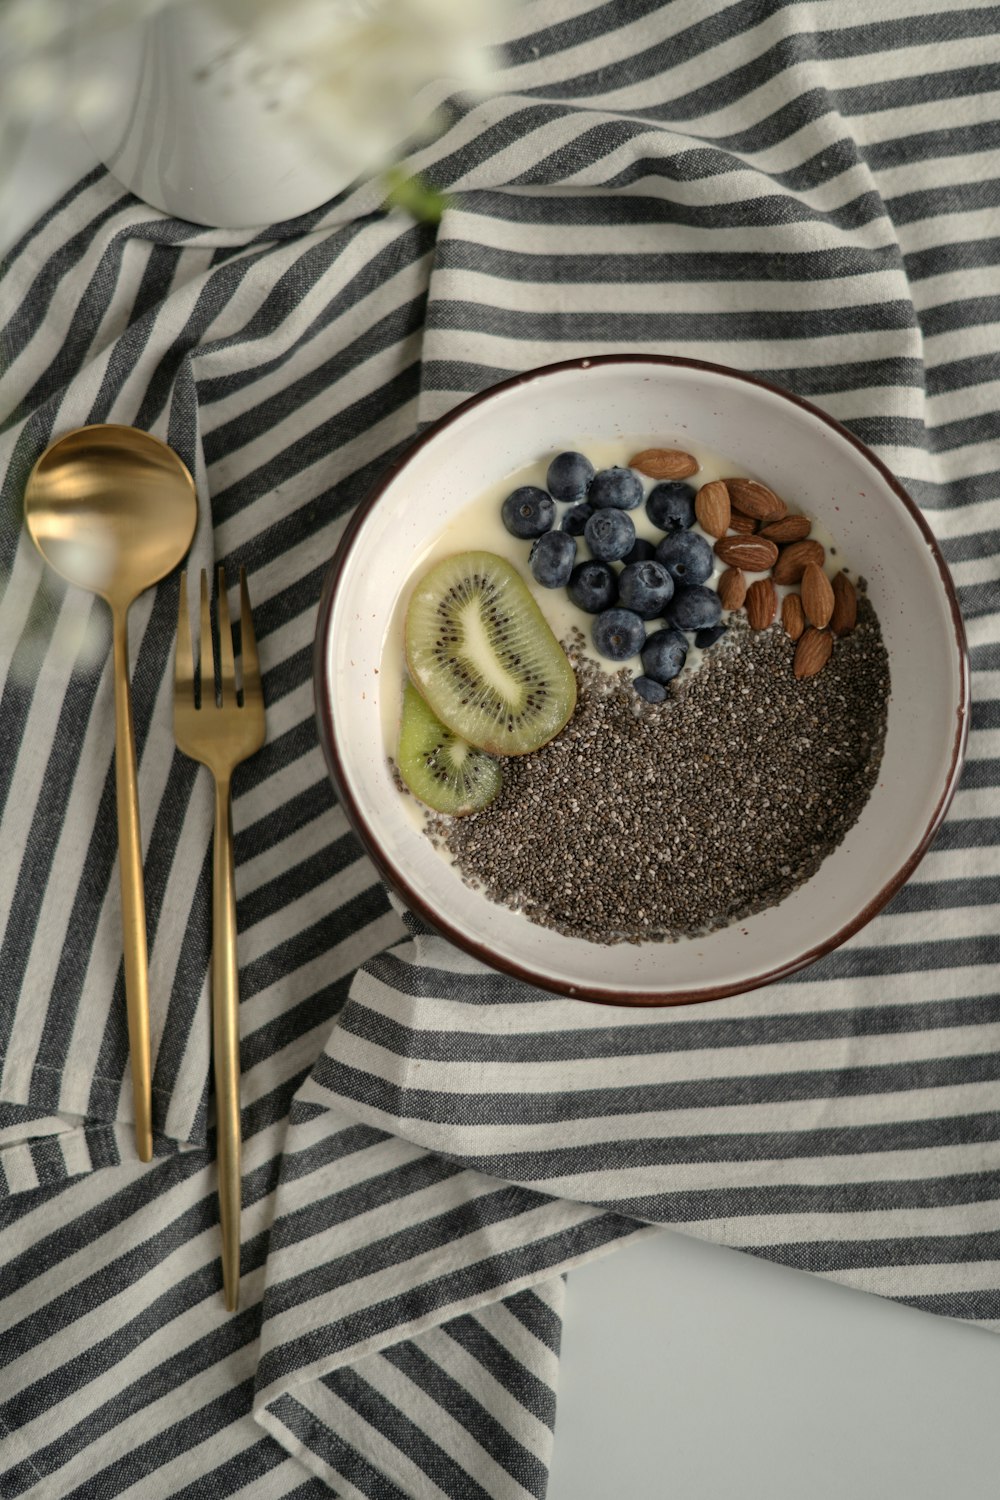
[[798, 190]]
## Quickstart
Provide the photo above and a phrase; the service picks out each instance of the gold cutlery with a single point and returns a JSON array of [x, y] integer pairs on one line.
[[222, 727], [113, 510]]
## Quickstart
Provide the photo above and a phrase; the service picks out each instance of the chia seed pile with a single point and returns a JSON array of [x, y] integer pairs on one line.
[[660, 821]]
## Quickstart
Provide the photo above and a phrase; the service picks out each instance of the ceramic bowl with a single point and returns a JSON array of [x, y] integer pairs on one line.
[[770, 434]]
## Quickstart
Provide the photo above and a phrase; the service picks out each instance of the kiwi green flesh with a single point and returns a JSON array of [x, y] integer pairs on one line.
[[438, 767], [484, 658]]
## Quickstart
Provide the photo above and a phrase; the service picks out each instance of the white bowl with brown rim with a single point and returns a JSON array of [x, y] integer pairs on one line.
[[773, 435]]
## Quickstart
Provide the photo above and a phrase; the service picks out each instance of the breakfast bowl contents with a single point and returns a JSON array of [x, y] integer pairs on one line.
[[571, 769], [620, 690]]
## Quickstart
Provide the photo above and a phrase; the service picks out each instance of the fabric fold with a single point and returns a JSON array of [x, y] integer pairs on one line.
[[849, 1140], [415, 1426]]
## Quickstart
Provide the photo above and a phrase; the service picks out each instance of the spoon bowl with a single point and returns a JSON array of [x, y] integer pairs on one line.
[[113, 510]]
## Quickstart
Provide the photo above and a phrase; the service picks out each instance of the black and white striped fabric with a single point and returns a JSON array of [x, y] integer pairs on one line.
[[804, 191]]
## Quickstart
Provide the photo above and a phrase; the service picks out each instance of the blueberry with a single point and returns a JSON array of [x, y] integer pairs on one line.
[[670, 506], [686, 556], [551, 559], [593, 586], [710, 635], [696, 608], [618, 634], [576, 519], [646, 587], [569, 476], [528, 511], [609, 534], [664, 654], [642, 551], [617, 488], [653, 692]]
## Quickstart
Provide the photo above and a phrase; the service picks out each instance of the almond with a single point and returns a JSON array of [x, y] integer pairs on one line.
[[762, 603], [755, 500], [794, 560], [664, 463], [813, 652], [747, 552], [732, 589], [745, 525], [788, 529], [817, 596], [711, 506], [792, 616], [845, 605]]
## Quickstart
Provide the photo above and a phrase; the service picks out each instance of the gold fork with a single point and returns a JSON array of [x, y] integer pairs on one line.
[[221, 731]]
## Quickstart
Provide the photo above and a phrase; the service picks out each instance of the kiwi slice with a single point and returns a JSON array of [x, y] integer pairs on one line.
[[437, 766], [481, 653]]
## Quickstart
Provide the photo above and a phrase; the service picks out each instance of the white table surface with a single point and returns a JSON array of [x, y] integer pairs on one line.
[[694, 1372]]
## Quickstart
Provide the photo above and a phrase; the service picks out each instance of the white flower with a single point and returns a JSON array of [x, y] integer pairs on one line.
[[362, 76]]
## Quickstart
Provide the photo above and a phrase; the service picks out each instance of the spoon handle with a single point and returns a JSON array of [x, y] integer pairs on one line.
[[133, 901]]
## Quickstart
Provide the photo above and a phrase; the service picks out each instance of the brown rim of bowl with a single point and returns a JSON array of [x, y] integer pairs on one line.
[[434, 919]]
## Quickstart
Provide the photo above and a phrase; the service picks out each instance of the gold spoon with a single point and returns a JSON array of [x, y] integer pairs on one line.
[[113, 511]]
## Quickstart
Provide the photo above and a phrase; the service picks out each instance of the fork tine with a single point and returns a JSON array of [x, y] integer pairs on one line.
[[183, 656], [227, 664], [207, 659], [252, 691]]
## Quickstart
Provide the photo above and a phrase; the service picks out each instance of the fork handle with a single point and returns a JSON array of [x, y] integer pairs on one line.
[[133, 897], [226, 1040]]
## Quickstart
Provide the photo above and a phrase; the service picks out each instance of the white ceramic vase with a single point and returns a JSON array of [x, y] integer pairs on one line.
[[190, 129]]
